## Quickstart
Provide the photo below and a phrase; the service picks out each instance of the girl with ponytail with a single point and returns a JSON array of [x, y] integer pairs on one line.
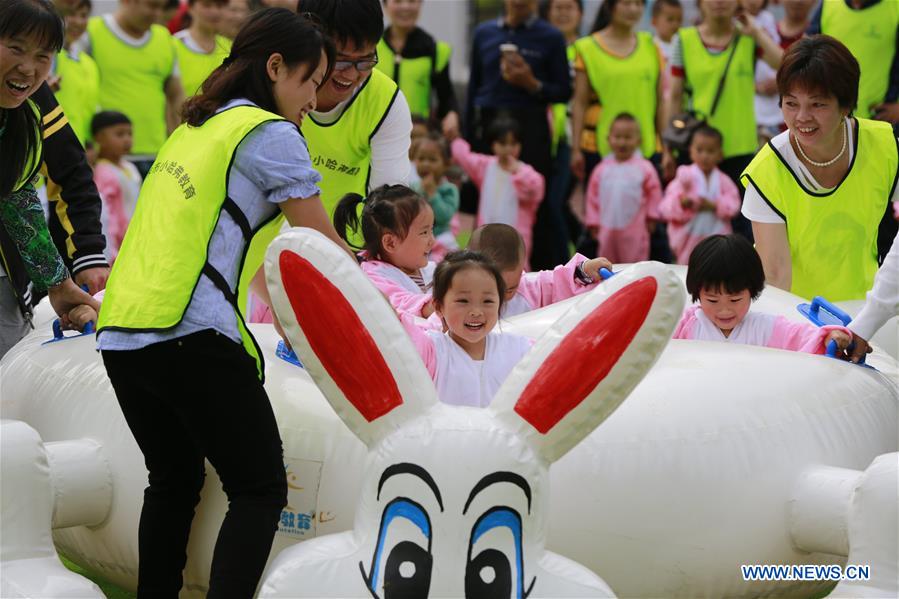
[[397, 225]]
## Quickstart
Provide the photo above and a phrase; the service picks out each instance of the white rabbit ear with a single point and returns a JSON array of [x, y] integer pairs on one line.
[[346, 335], [589, 361]]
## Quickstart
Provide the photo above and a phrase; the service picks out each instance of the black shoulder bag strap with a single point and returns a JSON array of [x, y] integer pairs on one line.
[[730, 58]]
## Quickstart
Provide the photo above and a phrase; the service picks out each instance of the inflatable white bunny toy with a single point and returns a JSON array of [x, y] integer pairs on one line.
[[454, 499]]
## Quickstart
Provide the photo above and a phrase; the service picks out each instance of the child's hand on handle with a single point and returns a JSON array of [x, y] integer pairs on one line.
[[78, 318], [841, 338], [591, 267]]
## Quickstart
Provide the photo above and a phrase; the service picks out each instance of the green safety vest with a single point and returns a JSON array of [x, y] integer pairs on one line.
[[618, 82], [560, 110], [414, 74], [132, 80], [195, 67], [833, 235], [79, 91], [870, 34], [165, 251], [341, 153], [735, 115]]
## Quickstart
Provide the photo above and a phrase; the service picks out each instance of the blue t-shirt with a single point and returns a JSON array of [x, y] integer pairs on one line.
[[271, 165]]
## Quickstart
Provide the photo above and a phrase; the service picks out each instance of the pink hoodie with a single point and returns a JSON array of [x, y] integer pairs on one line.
[[757, 328], [528, 187]]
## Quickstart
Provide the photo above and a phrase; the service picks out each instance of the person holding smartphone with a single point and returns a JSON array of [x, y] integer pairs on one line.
[[519, 68]]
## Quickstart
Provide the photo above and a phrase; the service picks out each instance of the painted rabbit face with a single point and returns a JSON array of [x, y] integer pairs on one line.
[[454, 500]]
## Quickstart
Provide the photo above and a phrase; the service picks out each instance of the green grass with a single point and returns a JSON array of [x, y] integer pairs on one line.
[[110, 590]]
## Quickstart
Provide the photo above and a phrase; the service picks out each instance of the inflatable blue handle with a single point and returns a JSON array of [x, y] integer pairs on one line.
[[819, 302], [605, 273], [288, 355], [58, 332], [831, 352]]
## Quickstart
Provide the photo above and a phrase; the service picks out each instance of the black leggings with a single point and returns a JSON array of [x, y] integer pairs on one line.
[[185, 400]]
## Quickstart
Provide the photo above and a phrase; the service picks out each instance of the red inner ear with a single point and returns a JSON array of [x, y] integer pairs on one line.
[[585, 356], [339, 339]]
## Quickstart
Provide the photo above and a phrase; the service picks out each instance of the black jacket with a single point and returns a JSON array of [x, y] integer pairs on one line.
[[74, 202]]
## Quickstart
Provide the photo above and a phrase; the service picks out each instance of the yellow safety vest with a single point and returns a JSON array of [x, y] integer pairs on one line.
[[79, 91], [870, 34], [195, 67], [833, 235], [560, 110], [628, 84], [165, 250], [735, 115], [33, 165], [132, 80], [414, 74], [341, 153]]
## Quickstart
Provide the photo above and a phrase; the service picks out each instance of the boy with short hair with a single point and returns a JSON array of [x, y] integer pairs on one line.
[[117, 180]]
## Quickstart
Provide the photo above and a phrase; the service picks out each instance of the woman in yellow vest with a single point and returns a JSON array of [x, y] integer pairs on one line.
[[820, 194], [199, 47], [79, 80], [418, 63], [31, 33], [698, 60], [186, 371], [623, 68]]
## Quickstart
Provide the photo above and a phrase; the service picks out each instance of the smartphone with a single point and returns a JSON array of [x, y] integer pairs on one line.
[[504, 48]]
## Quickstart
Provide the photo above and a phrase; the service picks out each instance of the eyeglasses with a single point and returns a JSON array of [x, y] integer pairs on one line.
[[363, 66]]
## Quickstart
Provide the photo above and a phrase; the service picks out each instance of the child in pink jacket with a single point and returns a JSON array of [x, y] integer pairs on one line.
[[623, 196], [510, 190], [397, 226], [725, 275], [701, 199], [467, 357], [526, 291]]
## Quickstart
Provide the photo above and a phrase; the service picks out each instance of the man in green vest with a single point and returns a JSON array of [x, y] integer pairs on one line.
[[870, 29], [139, 73], [360, 132]]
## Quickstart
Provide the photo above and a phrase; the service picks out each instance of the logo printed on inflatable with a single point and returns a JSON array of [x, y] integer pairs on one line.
[[298, 518], [454, 498]]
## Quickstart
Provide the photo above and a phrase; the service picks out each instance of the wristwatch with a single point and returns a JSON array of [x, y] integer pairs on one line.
[[582, 277]]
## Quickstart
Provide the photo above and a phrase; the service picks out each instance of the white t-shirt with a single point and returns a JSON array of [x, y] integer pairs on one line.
[[883, 299], [757, 209], [390, 164]]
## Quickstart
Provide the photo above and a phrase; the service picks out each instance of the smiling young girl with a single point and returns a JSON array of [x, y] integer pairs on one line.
[[397, 226], [469, 360], [725, 276]]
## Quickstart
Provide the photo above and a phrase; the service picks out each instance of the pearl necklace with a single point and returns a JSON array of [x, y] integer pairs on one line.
[[829, 162]]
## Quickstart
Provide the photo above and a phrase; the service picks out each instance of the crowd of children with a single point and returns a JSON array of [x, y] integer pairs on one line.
[[450, 299]]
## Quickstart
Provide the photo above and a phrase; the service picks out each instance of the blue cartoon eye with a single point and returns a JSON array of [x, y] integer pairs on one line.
[[402, 563], [495, 562]]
